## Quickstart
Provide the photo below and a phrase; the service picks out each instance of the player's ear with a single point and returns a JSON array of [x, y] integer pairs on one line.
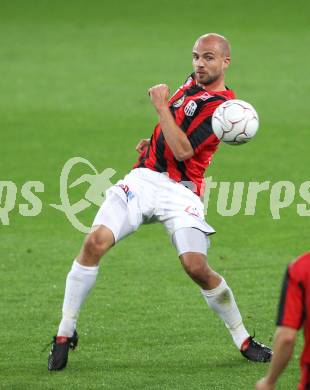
[[226, 63]]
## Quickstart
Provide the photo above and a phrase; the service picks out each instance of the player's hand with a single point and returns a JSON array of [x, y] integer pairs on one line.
[[144, 143], [159, 95], [264, 385]]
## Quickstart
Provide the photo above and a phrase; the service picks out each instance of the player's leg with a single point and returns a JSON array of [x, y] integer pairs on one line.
[[111, 224], [192, 245], [83, 275]]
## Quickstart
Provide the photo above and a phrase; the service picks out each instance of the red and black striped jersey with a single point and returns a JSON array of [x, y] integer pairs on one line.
[[294, 307], [192, 108]]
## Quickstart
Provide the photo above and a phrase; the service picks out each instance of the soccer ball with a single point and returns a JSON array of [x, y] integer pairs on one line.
[[235, 122]]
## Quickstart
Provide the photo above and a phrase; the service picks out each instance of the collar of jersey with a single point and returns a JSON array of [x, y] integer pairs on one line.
[[198, 88]]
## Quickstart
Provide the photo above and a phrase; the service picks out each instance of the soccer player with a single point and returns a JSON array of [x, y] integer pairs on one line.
[[166, 185], [293, 313]]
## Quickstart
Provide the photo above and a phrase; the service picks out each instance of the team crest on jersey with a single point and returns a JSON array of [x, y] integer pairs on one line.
[[178, 103], [190, 108]]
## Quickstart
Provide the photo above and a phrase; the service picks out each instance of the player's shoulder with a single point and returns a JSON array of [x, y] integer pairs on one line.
[[227, 94], [301, 266], [211, 100]]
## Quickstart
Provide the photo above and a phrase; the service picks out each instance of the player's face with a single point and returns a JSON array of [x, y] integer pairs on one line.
[[209, 62]]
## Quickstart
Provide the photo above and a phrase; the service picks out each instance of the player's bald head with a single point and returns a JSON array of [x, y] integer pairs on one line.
[[211, 58], [217, 41]]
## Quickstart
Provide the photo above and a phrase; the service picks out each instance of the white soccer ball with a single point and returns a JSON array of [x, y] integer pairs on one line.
[[235, 122]]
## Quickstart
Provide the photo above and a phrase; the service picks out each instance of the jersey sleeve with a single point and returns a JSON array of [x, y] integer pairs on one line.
[[291, 306], [200, 128]]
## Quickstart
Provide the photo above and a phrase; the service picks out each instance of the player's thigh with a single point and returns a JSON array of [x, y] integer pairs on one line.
[[190, 240], [116, 215], [192, 246], [180, 208]]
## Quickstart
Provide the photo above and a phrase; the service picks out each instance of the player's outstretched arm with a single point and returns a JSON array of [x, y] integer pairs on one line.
[[284, 343], [174, 136]]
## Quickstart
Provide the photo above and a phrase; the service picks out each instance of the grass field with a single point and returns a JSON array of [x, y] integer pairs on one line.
[[74, 77]]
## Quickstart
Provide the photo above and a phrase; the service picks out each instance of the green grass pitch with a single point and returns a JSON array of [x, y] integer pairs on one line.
[[74, 77]]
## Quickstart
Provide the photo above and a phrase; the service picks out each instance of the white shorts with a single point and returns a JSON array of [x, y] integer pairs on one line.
[[146, 196]]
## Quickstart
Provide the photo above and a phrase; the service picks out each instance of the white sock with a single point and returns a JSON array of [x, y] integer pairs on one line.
[[79, 282], [222, 301]]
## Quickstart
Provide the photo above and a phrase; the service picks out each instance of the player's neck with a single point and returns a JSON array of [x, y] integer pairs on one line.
[[217, 85]]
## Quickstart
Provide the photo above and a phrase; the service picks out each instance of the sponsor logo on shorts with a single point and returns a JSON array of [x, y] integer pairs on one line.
[[129, 194], [192, 210]]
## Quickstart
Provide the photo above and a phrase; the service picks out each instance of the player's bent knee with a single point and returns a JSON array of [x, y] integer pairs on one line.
[[98, 242], [195, 264]]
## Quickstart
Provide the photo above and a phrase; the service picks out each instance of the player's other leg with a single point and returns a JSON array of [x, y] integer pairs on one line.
[[111, 224], [79, 282], [192, 246], [82, 276]]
